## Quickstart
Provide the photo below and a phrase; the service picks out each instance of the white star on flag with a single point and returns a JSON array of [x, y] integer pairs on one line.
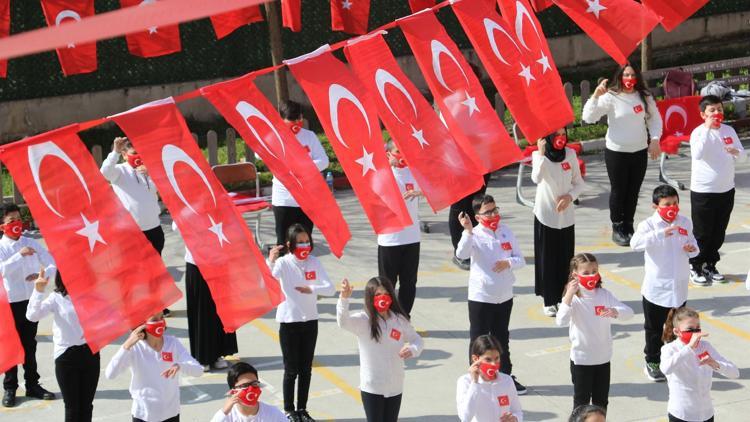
[[544, 61], [365, 161], [152, 30], [91, 232], [218, 230], [678, 133], [595, 7], [71, 45], [419, 136], [526, 74], [346, 4], [471, 103]]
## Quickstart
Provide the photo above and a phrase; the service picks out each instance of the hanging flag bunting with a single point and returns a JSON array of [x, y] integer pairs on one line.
[[4, 32], [680, 116], [443, 171], [617, 26], [417, 5], [11, 352], [214, 231], [291, 14], [74, 59], [264, 131], [226, 23], [115, 279], [458, 93], [540, 5], [673, 12], [350, 16], [155, 41], [350, 121]]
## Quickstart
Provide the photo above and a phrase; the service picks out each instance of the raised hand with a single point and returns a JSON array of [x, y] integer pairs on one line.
[[474, 371], [601, 89], [465, 221], [119, 144], [274, 253], [41, 281], [135, 336], [346, 289]]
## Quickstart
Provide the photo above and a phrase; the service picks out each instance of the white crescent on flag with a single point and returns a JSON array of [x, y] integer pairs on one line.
[[383, 78], [437, 49], [247, 110], [521, 12], [67, 14], [675, 108], [336, 93], [490, 27]]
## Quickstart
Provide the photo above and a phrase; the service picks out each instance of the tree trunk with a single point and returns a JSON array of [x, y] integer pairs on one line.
[[277, 51]]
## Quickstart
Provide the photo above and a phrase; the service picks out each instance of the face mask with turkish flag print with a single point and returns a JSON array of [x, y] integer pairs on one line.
[[302, 251], [156, 328], [489, 369], [13, 229], [134, 160], [294, 125], [248, 396], [718, 118], [491, 222], [629, 82], [668, 213], [559, 141], [687, 335], [588, 281], [400, 162], [382, 303]]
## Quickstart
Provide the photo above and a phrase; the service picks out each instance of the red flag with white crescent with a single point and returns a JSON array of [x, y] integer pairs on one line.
[[458, 93], [74, 59], [4, 32], [680, 116], [673, 12], [444, 172], [226, 23], [291, 14], [350, 16], [11, 353], [540, 5], [264, 131], [213, 229], [417, 5], [115, 279], [154, 41], [350, 121]]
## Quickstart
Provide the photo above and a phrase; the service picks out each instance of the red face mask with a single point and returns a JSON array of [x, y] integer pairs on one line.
[[400, 162], [489, 369], [135, 160], [718, 118], [382, 303], [294, 126], [590, 281], [302, 251], [491, 222], [668, 213], [559, 141], [13, 229], [156, 328], [629, 83], [248, 396], [685, 336]]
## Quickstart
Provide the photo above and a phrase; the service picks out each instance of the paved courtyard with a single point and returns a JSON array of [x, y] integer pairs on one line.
[[539, 348]]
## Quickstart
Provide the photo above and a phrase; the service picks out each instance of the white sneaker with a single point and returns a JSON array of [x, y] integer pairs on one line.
[[220, 364], [699, 278], [550, 311], [206, 368]]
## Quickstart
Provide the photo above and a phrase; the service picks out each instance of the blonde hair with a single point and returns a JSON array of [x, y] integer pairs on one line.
[[578, 259], [674, 317]]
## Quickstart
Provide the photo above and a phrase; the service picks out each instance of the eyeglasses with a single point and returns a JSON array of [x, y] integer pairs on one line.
[[247, 384], [692, 330], [494, 211]]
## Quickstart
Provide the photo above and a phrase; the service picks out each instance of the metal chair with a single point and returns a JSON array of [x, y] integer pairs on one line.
[[247, 203]]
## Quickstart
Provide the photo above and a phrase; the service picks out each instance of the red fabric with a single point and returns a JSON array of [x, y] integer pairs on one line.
[[154, 42], [226, 23], [115, 279], [464, 107], [291, 14], [620, 26], [214, 231], [417, 5], [350, 16], [264, 131], [540, 5], [254, 207], [444, 172], [74, 59], [350, 121], [673, 12], [4, 32], [11, 353], [680, 117]]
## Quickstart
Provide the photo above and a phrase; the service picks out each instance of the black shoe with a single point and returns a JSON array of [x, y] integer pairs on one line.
[[166, 312], [463, 264], [713, 274], [520, 389], [40, 393], [653, 372], [292, 416], [618, 235], [303, 416], [9, 398], [629, 230]]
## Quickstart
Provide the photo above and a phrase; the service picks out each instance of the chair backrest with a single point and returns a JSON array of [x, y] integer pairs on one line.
[[678, 83], [237, 173]]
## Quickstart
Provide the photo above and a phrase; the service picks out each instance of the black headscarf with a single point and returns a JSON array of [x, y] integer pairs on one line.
[[553, 154]]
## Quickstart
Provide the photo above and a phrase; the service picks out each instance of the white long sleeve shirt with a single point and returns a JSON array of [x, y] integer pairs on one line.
[[553, 181], [485, 401], [667, 267], [629, 125], [292, 272], [136, 191], [712, 167], [485, 248], [689, 382], [381, 369], [66, 329], [15, 268], [155, 398], [266, 413], [408, 235], [591, 334], [280, 196]]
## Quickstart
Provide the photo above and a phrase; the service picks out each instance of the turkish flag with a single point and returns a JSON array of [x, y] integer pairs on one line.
[[115, 279], [350, 16], [214, 231], [673, 12], [4, 32], [291, 14], [225, 23], [350, 121], [540, 5], [444, 172], [74, 59], [155, 41], [617, 26], [264, 131], [680, 116], [417, 5], [11, 353], [457, 91]]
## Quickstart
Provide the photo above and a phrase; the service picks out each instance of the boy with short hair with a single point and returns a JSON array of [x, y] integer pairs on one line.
[[242, 403], [714, 148], [667, 241]]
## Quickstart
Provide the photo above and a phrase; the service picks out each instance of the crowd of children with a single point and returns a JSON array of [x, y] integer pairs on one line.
[[677, 250]]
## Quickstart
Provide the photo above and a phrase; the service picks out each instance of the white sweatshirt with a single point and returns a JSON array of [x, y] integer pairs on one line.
[[136, 191], [266, 413], [712, 167], [626, 118], [15, 268], [689, 382], [66, 330], [381, 369], [280, 196], [485, 401], [553, 181], [292, 272], [410, 234], [591, 334]]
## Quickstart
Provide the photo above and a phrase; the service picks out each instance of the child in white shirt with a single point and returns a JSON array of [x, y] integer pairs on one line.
[[243, 402]]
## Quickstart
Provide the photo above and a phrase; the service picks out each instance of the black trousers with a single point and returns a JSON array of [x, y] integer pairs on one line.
[[626, 171], [156, 237], [172, 419], [285, 217], [553, 250], [77, 372], [654, 318], [400, 263], [710, 213], [492, 318], [676, 419], [381, 409], [27, 332], [298, 349], [463, 205], [590, 384]]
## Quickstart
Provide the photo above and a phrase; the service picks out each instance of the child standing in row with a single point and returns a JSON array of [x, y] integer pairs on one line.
[[494, 255], [243, 403], [589, 309]]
